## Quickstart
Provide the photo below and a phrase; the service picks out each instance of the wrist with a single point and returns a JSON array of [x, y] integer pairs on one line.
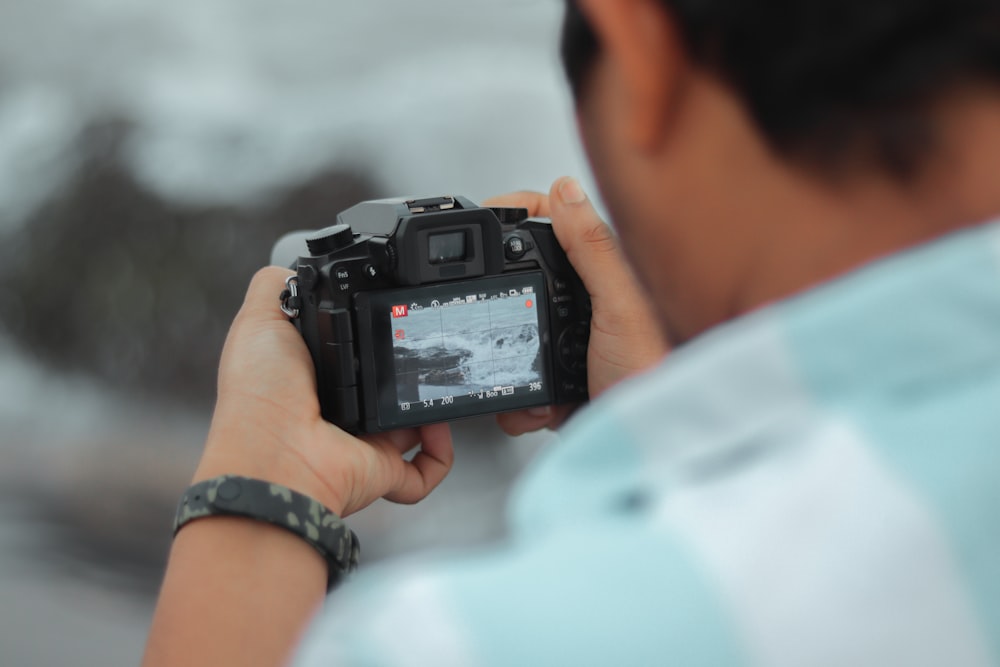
[[223, 571], [266, 502], [241, 449]]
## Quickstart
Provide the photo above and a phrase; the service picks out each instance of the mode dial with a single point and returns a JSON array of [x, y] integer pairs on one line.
[[330, 239]]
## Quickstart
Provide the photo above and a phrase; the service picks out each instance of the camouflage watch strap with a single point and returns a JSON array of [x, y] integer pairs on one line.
[[280, 506]]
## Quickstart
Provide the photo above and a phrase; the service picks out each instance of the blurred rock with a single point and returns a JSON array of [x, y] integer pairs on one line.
[[149, 155], [102, 510], [105, 510], [109, 281], [112, 280]]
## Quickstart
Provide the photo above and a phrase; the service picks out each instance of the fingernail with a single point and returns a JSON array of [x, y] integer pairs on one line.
[[571, 192], [545, 411]]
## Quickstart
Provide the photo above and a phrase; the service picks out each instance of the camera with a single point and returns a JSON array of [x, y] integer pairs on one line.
[[418, 311]]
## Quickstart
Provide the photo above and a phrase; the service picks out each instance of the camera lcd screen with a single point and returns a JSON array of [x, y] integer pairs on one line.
[[460, 349], [447, 247]]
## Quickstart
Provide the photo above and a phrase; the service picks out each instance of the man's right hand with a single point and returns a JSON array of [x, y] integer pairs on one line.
[[624, 336]]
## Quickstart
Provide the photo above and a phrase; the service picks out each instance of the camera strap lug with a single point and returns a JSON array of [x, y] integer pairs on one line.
[[291, 302]]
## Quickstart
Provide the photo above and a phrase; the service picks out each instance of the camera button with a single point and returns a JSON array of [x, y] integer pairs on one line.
[[371, 272], [329, 240], [560, 285], [515, 247], [343, 275], [572, 348]]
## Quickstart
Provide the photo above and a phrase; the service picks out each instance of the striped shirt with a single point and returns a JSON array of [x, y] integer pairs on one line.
[[816, 483]]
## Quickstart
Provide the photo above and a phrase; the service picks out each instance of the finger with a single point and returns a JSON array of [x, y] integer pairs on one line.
[[525, 421], [261, 331], [536, 203], [402, 440], [530, 421], [428, 468], [589, 242], [262, 301]]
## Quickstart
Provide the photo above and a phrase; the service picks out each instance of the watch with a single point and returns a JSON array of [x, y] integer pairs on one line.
[[230, 495]]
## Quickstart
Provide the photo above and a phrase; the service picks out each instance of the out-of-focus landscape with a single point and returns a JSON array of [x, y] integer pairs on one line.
[[150, 154]]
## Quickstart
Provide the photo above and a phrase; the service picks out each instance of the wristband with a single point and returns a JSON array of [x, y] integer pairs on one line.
[[280, 506]]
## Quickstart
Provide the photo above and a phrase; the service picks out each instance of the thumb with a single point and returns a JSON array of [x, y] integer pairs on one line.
[[590, 244]]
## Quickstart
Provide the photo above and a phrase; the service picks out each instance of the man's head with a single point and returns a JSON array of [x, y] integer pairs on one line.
[[750, 149]]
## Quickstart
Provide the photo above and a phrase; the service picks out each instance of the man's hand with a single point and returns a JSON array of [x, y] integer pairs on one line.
[[267, 421], [240, 592], [624, 336]]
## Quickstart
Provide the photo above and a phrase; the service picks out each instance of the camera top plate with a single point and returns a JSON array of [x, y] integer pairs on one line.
[[431, 243]]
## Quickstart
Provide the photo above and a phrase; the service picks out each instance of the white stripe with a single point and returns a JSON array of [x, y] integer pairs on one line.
[[713, 400], [824, 559]]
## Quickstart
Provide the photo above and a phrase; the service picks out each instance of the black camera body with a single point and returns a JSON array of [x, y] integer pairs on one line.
[[429, 310]]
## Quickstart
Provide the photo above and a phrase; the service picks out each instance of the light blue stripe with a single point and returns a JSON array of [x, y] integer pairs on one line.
[[917, 369], [609, 593], [594, 467]]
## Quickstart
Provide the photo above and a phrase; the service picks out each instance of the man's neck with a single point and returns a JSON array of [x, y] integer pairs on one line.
[[719, 225], [827, 230]]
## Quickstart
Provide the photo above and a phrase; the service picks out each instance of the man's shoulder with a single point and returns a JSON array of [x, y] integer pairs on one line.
[[814, 484], [830, 463], [600, 592]]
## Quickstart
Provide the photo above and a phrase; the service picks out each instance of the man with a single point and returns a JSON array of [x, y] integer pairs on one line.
[[805, 189]]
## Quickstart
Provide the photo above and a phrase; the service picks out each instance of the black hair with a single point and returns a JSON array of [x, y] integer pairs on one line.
[[824, 78]]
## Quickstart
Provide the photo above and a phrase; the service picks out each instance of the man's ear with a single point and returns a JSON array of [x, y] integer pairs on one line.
[[641, 44]]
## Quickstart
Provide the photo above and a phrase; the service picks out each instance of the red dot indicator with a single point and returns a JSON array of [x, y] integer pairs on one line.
[[529, 303]]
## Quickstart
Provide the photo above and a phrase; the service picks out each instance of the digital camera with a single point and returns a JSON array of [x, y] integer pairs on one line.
[[418, 311]]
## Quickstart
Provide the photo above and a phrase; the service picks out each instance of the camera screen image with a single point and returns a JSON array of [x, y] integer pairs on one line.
[[459, 349], [470, 347]]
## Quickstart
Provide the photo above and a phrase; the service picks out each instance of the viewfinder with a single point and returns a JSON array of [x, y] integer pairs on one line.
[[447, 247]]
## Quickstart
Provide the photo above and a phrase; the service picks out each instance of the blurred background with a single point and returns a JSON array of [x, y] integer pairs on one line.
[[150, 154]]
